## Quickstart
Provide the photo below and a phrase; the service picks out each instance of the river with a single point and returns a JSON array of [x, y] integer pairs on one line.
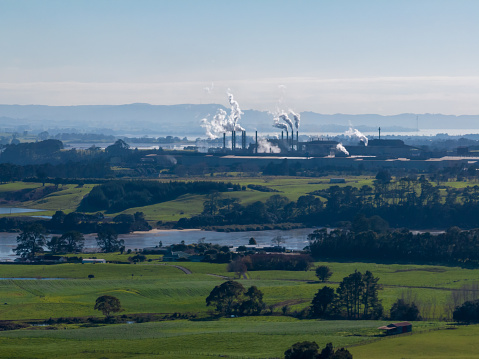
[[294, 239]]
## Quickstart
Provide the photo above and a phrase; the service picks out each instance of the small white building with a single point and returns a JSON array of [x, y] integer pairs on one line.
[[91, 260]]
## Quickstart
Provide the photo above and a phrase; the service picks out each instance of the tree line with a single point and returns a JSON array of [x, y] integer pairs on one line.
[[115, 196], [454, 246], [411, 203]]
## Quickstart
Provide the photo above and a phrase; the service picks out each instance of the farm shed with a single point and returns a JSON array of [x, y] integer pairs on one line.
[[92, 260], [397, 328]]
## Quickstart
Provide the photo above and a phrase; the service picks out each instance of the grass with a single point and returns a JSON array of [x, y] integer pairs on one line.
[[69, 196], [157, 287], [154, 287], [460, 342], [257, 337]]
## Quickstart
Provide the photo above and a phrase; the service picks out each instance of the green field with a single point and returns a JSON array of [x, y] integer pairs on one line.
[[456, 342], [155, 287], [68, 197], [254, 337]]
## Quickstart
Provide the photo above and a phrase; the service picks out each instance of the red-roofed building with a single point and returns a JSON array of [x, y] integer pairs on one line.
[[397, 328]]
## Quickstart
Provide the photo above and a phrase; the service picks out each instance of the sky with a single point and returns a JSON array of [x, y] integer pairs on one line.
[[328, 56]]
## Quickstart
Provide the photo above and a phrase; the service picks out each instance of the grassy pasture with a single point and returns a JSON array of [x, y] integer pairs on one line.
[[257, 337], [69, 196], [153, 287], [460, 342]]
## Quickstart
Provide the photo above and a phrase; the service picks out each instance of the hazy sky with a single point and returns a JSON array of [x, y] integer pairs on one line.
[[328, 56]]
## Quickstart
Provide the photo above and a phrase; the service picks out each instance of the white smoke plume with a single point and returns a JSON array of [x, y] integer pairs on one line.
[[222, 123], [264, 146], [341, 148], [353, 132], [235, 114], [278, 124], [296, 118], [285, 118]]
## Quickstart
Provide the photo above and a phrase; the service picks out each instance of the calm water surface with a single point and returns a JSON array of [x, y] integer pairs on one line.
[[294, 239]]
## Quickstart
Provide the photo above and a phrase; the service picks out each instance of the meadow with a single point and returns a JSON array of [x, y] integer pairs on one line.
[[253, 337], [156, 287], [162, 288], [68, 197]]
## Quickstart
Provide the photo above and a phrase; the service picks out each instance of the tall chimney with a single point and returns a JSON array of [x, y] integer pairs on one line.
[[233, 144], [256, 135], [379, 132], [282, 136], [224, 140], [297, 140]]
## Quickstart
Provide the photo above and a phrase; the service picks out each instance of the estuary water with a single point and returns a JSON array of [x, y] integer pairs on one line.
[[293, 239], [13, 210]]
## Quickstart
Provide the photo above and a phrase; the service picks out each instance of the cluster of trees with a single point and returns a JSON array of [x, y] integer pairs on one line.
[[55, 172], [32, 240], [454, 246], [467, 312], [310, 350], [229, 211], [88, 223], [119, 195], [231, 298], [355, 298], [261, 261], [412, 203]]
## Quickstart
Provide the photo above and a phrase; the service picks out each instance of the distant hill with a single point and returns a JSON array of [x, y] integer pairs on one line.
[[142, 119]]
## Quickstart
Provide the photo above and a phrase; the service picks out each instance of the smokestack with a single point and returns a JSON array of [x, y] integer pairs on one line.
[[256, 135], [244, 140], [379, 132], [297, 140], [233, 145], [224, 140], [287, 138], [282, 136]]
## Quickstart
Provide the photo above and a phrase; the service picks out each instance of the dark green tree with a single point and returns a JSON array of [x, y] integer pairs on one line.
[[302, 350], [107, 240], [253, 302], [323, 299], [107, 304], [226, 298], [323, 273], [401, 310], [30, 241]]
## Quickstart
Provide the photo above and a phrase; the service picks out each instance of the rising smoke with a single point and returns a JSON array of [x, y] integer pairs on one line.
[[341, 148], [354, 133], [282, 120], [222, 123], [264, 146]]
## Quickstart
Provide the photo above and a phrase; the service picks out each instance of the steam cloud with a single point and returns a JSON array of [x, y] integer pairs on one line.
[[264, 146], [286, 121], [341, 148], [222, 123], [353, 132]]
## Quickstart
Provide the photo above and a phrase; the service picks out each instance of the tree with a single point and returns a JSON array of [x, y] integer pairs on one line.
[[321, 301], [73, 241], [226, 297], [401, 310], [107, 304], [358, 294], [253, 302], [69, 242], [30, 241], [302, 350], [323, 273], [252, 241], [278, 240], [108, 241]]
